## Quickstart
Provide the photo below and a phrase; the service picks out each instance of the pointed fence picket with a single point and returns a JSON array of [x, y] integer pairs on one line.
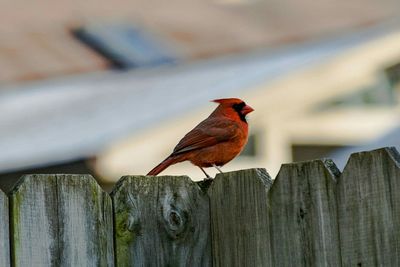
[[239, 218], [61, 220], [368, 201], [4, 231], [304, 215], [310, 215], [161, 221]]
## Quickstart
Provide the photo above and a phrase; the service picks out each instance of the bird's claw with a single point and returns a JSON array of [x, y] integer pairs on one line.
[[215, 166], [208, 178]]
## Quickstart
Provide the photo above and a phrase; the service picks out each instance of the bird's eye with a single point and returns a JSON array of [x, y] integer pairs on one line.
[[238, 106]]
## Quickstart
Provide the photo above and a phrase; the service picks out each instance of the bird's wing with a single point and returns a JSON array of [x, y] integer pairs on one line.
[[208, 133]]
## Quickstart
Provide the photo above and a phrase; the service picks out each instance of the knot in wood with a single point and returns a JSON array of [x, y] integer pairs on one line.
[[302, 213], [133, 224], [129, 220], [176, 221], [174, 214]]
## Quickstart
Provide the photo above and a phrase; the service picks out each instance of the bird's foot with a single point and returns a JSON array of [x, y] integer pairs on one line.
[[208, 178], [215, 166]]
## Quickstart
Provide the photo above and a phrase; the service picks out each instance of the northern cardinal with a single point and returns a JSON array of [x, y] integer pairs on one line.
[[215, 141]]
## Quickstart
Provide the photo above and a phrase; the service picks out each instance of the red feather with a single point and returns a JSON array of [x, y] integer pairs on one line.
[[214, 141]]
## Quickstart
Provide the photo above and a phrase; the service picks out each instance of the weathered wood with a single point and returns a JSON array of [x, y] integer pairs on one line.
[[304, 228], [239, 218], [161, 221], [61, 220], [368, 202], [311, 216], [4, 231]]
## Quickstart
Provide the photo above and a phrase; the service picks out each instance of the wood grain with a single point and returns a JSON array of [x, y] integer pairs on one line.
[[304, 228], [61, 220], [4, 231], [369, 209], [161, 221], [310, 216], [239, 218]]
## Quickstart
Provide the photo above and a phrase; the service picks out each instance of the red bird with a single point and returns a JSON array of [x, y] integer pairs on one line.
[[214, 141]]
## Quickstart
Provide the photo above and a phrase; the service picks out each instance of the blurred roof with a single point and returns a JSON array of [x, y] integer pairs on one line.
[[32, 55], [58, 120], [36, 40]]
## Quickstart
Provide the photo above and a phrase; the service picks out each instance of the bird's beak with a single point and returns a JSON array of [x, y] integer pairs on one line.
[[247, 109]]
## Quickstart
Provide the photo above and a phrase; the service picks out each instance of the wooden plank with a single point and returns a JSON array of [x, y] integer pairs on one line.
[[369, 209], [61, 220], [161, 221], [304, 228], [4, 231], [239, 218]]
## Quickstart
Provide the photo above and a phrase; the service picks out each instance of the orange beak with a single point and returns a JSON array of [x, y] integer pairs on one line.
[[247, 109]]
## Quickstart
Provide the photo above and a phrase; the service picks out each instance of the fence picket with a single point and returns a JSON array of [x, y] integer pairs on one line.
[[304, 230], [369, 209], [161, 221], [311, 215], [239, 218], [61, 220], [4, 231]]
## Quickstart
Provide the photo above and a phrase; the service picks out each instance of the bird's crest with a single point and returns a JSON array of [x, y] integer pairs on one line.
[[227, 100]]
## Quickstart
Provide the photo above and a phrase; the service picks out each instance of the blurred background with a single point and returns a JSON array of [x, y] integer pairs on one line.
[[109, 87]]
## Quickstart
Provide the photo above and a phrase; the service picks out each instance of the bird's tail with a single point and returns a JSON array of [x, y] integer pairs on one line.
[[165, 164]]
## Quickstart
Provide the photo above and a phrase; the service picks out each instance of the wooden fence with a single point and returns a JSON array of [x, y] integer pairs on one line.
[[311, 215]]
